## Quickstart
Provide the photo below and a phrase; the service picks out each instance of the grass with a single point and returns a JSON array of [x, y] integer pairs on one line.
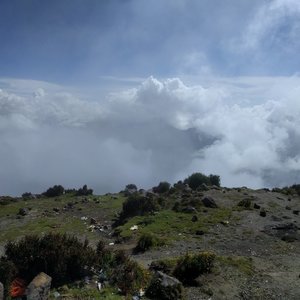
[[169, 224], [242, 264]]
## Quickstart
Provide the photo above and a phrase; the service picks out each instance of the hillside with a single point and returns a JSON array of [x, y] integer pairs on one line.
[[253, 233]]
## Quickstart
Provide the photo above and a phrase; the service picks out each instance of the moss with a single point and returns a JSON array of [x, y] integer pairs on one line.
[[242, 264]]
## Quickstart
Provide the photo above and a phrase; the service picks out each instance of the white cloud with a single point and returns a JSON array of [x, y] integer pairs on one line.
[[245, 129]]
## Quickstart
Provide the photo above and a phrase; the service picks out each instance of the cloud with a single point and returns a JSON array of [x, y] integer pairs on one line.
[[245, 129]]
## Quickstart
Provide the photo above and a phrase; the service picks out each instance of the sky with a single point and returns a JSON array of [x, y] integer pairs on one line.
[[112, 92]]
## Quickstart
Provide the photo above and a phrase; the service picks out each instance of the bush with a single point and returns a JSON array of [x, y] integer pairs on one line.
[[148, 241], [129, 277], [55, 191], [137, 205], [163, 187], [60, 256], [197, 179], [191, 266], [84, 191]]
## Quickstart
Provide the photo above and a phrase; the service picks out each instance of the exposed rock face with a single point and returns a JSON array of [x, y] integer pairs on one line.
[[39, 287], [1, 291], [209, 202], [165, 287]]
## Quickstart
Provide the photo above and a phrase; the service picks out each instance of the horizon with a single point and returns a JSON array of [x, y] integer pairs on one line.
[[108, 93]]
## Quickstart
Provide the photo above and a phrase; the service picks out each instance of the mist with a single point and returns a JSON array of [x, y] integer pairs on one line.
[[159, 130]]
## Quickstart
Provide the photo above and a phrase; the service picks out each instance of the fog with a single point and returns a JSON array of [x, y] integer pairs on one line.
[[244, 129]]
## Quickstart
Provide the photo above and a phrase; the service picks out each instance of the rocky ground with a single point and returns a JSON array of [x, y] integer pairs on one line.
[[254, 233]]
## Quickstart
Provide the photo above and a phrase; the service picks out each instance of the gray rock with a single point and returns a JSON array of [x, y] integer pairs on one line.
[[194, 218], [23, 211], [209, 202], [1, 291], [39, 287], [165, 287], [190, 209], [263, 213]]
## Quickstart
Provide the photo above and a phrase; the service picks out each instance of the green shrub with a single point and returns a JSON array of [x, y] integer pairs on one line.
[[137, 205], [129, 277], [148, 241], [84, 191], [191, 266], [163, 187], [55, 191], [62, 257], [197, 179]]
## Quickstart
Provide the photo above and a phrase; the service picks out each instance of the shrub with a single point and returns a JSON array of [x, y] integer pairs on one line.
[[60, 256], [197, 179], [148, 241], [84, 191], [129, 277], [191, 266], [163, 187], [137, 205], [55, 191]]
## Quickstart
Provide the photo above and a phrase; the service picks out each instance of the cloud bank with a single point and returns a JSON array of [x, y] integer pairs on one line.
[[245, 129]]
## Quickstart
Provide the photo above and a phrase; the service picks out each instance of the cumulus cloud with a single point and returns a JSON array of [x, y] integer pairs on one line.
[[244, 129]]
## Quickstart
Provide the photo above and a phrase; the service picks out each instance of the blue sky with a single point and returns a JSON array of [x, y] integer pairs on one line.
[[78, 41], [149, 90]]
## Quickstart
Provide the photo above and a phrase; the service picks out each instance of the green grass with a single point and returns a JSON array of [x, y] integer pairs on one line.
[[242, 264], [173, 225]]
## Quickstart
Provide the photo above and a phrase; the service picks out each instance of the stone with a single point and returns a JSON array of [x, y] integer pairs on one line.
[[296, 212], [23, 211], [199, 232], [256, 206], [56, 209], [288, 207], [93, 221], [194, 218], [165, 287], [209, 202], [39, 287], [1, 291], [263, 213], [189, 209]]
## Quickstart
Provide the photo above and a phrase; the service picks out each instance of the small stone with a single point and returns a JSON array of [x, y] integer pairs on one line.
[[55, 209], [93, 221], [199, 232], [296, 212], [209, 202], [288, 207], [256, 206], [194, 218], [23, 211], [263, 213]]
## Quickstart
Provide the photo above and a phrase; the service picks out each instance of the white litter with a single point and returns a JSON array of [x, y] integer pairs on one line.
[[134, 227]]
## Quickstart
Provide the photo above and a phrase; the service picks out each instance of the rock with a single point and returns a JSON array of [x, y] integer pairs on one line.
[[56, 209], [246, 203], [296, 212], [209, 202], [23, 211], [93, 221], [256, 206], [289, 237], [288, 207], [203, 187], [194, 218], [190, 209], [287, 232], [1, 291], [39, 287], [165, 287], [199, 232], [263, 213]]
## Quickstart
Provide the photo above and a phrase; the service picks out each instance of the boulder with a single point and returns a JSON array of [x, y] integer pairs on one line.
[[39, 287], [209, 202], [256, 206], [165, 287], [263, 213]]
